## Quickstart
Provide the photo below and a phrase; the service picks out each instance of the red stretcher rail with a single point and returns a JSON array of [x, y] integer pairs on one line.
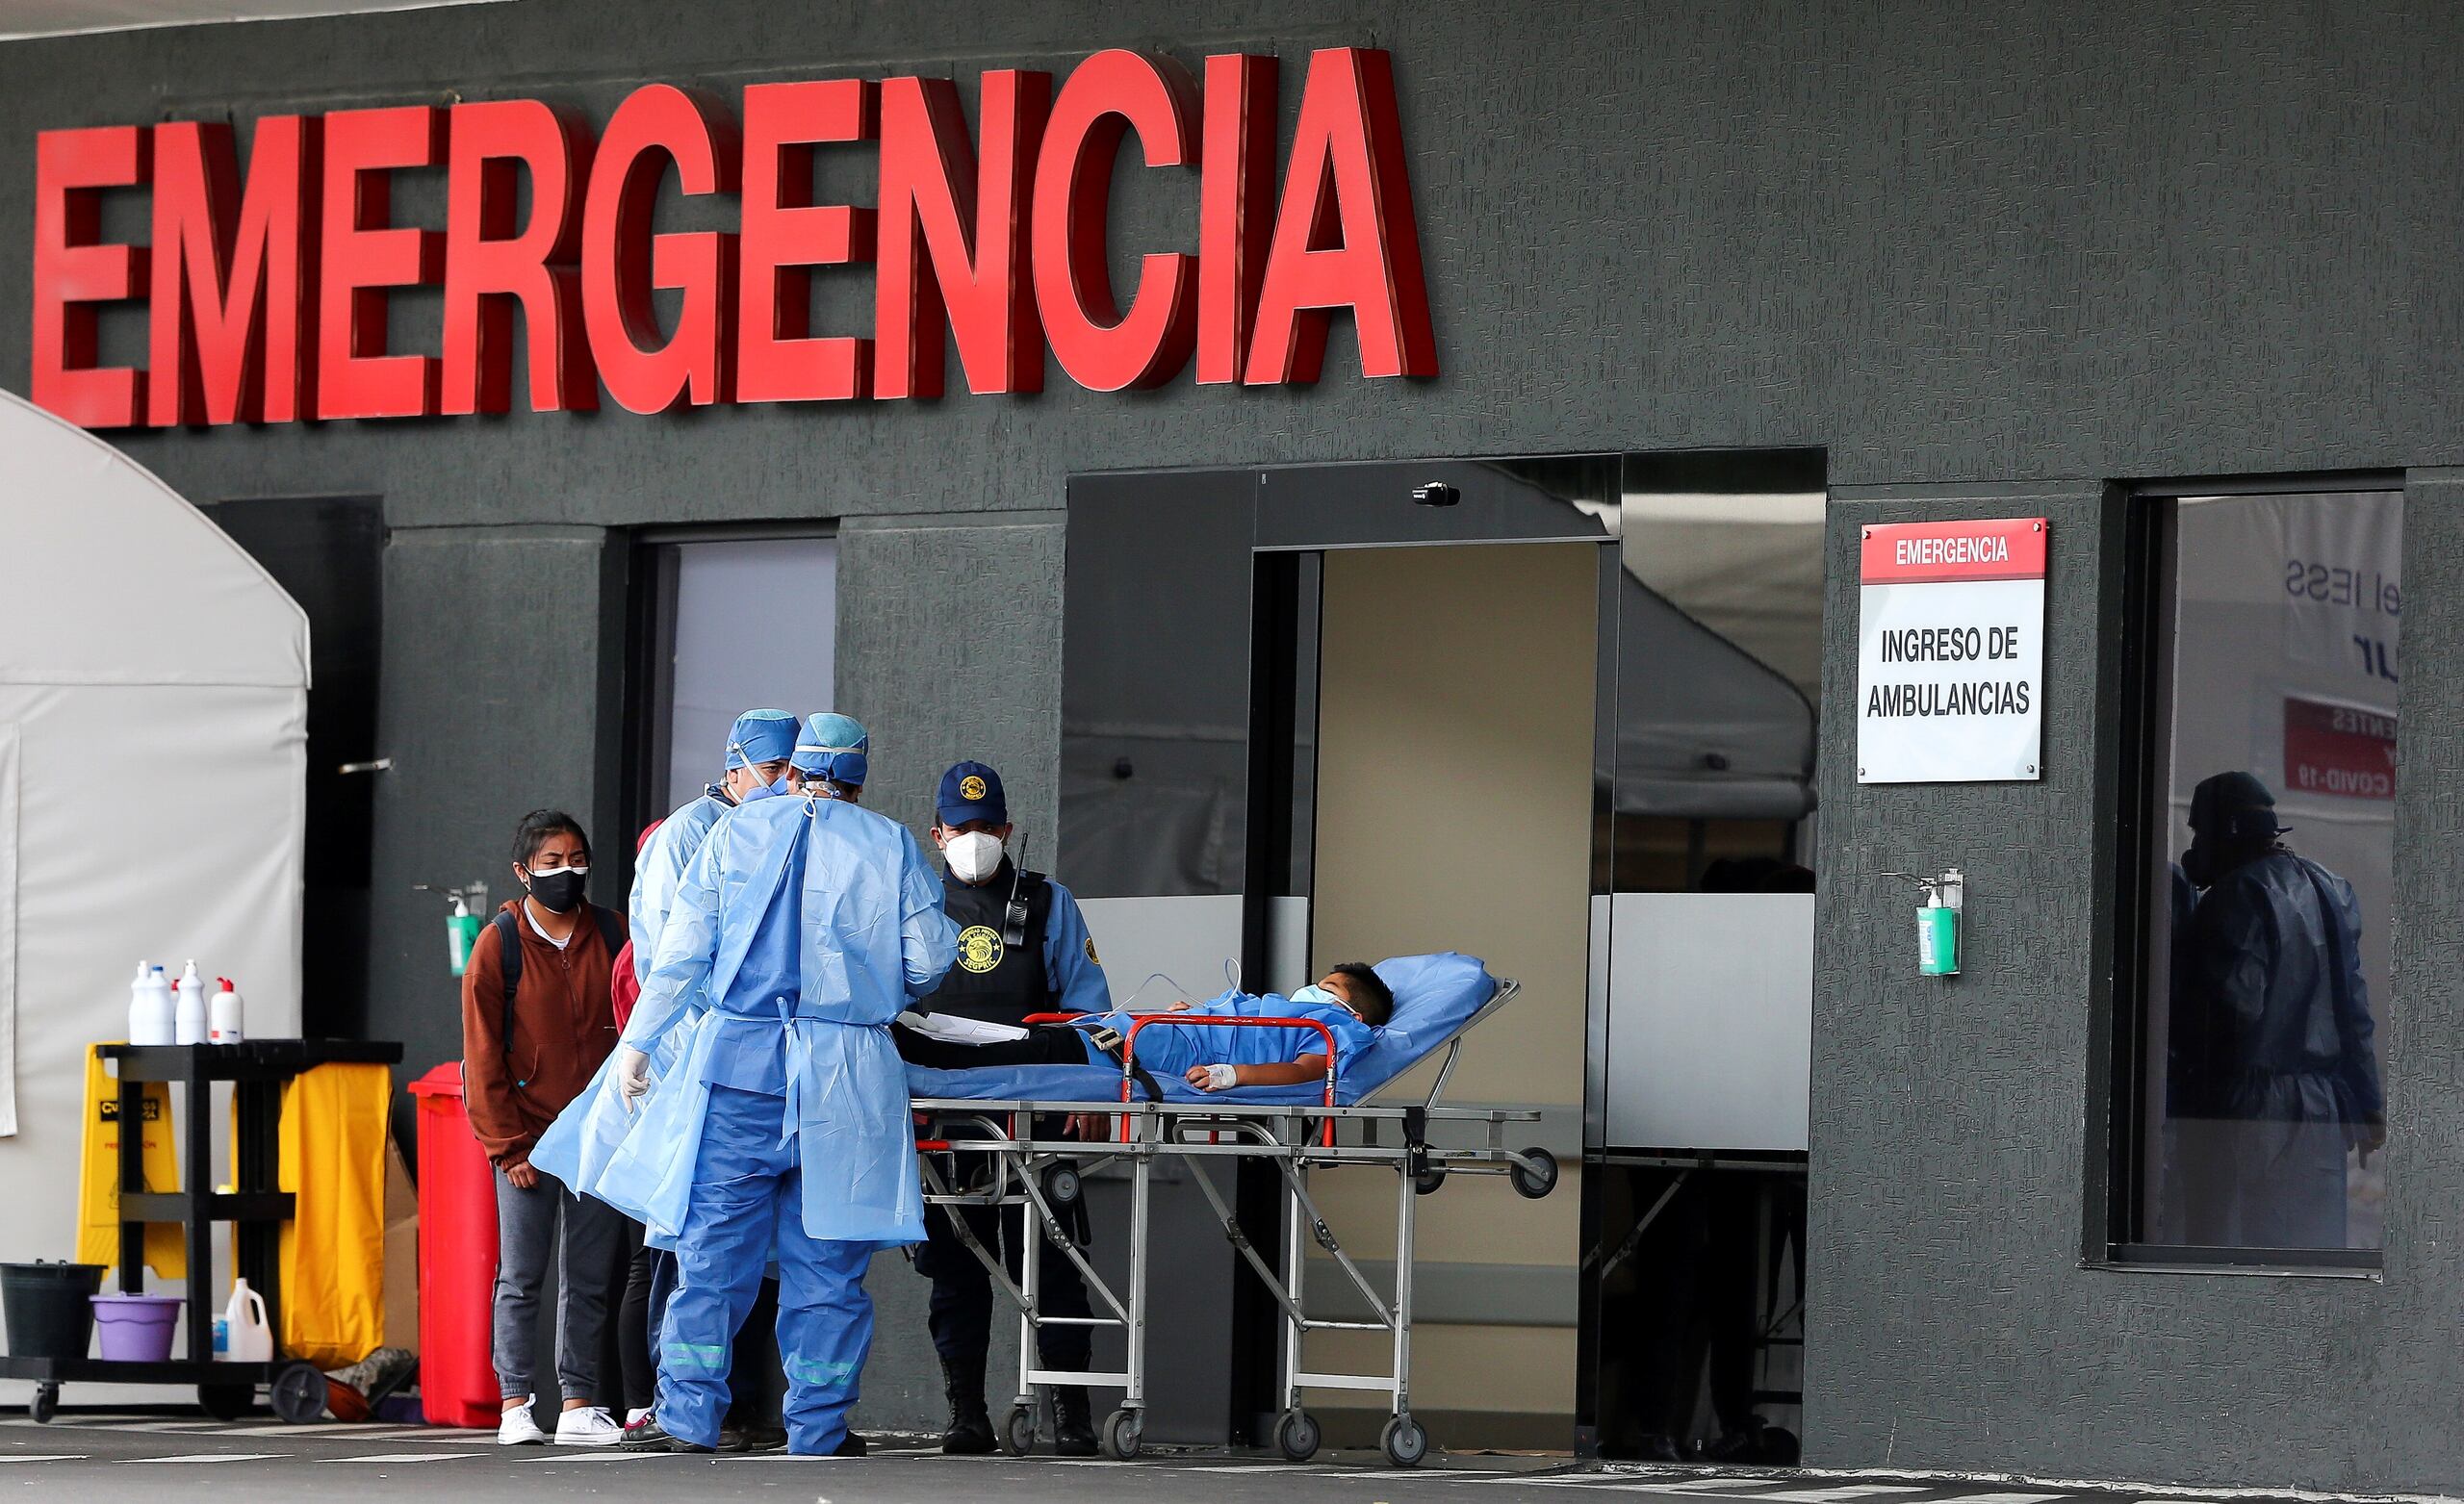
[[1129, 1044]]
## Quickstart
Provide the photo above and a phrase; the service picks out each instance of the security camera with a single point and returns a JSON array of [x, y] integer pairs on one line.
[[1436, 493]]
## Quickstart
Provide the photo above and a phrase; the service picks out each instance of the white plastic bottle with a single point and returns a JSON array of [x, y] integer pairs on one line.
[[189, 1019], [226, 1021], [247, 1337], [151, 1018]]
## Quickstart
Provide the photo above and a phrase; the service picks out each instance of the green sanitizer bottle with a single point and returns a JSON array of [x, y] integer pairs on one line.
[[461, 933], [1938, 926]]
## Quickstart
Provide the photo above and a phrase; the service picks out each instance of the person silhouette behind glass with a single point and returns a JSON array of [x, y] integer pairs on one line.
[[2277, 1074]]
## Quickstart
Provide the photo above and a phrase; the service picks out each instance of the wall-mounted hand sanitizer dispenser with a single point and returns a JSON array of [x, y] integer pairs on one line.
[[1937, 925]]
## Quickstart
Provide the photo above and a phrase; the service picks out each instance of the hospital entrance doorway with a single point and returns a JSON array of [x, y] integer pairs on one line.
[[1451, 810], [1557, 714]]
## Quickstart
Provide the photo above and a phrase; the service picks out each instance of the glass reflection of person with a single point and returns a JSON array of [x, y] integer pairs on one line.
[[2276, 1072]]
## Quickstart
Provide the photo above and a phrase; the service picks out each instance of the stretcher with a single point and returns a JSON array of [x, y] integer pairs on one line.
[[983, 1147]]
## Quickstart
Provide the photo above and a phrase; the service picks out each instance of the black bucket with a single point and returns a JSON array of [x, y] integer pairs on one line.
[[49, 1307]]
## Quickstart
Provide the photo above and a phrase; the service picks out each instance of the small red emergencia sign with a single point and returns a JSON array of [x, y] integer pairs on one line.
[[2338, 752], [1912, 553]]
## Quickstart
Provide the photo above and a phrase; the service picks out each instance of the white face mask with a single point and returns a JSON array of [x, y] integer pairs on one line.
[[973, 857]]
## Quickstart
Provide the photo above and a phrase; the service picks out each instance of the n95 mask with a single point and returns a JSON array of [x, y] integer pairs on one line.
[[973, 857]]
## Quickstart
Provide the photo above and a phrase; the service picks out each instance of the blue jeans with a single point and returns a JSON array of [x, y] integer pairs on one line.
[[748, 1199]]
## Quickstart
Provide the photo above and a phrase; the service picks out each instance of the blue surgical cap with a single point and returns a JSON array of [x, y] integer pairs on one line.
[[760, 736], [832, 747]]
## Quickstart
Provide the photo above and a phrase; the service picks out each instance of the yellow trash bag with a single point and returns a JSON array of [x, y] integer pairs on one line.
[[166, 1251], [333, 1248]]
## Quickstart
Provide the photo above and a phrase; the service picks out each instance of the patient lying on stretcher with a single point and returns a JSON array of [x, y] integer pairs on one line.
[[1352, 1002]]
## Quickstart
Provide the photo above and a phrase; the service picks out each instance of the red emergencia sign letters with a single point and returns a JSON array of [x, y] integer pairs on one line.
[[266, 292]]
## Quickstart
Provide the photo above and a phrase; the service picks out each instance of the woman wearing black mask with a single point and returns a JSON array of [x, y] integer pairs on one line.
[[535, 1027]]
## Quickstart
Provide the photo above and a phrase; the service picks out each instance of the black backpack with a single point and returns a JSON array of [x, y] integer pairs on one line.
[[611, 930]]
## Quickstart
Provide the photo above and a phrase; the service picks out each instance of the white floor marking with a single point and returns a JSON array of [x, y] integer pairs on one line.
[[1996, 1498], [43, 1457], [359, 1429], [404, 1457], [215, 1457], [1843, 1494]]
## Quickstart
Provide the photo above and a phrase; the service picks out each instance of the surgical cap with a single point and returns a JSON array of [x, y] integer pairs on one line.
[[834, 747], [760, 736]]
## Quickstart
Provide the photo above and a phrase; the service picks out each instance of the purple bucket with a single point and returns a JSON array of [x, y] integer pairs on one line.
[[137, 1328]]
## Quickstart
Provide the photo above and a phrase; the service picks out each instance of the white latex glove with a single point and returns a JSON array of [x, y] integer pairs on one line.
[[632, 1075]]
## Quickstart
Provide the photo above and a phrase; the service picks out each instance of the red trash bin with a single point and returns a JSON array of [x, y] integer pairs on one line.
[[457, 1259]]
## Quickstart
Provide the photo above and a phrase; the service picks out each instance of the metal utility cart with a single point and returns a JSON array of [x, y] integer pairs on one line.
[[257, 1206]]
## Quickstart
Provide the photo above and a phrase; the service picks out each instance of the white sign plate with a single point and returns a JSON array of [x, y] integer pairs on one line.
[[1950, 653]]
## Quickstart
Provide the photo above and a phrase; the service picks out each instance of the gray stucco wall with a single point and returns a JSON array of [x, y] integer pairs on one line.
[[1964, 249]]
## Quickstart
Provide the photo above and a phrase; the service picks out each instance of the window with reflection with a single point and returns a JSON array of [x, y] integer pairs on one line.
[[2269, 849]]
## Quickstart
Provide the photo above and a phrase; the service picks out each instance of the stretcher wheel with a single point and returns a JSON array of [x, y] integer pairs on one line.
[[1124, 1431], [1534, 1183], [297, 1392], [45, 1404], [1018, 1430], [1427, 1182], [1404, 1441], [1295, 1436], [227, 1401]]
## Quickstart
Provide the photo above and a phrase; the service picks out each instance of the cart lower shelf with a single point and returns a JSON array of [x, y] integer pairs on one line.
[[295, 1387]]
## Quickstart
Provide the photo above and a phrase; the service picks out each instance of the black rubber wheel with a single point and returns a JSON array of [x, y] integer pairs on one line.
[[45, 1404], [1403, 1441], [1018, 1430], [1534, 1183], [297, 1393], [1124, 1430], [227, 1401], [1061, 1184], [1295, 1436], [1427, 1182]]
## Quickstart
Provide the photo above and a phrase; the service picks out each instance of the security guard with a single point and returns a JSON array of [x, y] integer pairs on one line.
[[1023, 948]]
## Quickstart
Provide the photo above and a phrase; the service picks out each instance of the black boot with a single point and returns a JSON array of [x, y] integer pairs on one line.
[[970, 1432], [1073, 1427]]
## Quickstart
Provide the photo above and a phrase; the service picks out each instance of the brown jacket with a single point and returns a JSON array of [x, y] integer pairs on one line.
[[562, 1029]]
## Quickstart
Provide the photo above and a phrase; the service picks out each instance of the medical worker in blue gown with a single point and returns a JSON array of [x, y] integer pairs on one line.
[[805, 925], [759, 746]]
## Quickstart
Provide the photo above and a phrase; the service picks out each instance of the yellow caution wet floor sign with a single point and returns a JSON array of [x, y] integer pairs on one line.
[[98, 1183]]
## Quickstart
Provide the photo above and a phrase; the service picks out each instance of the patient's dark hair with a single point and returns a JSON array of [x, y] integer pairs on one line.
[[1370, 993]]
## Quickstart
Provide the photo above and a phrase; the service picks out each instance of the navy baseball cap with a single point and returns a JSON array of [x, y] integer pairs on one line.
[[971, 791]]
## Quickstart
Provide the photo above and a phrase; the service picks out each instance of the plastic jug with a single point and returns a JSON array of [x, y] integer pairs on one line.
[[226, 1021], [244, 1335], [151, 1016], [188, 1017]]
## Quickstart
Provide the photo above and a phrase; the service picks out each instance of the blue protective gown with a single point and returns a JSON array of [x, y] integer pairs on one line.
[[1170, 1050], [805, 926], [662, 868]]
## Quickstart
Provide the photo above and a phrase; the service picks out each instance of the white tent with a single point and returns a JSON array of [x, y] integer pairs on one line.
[[153, 746]]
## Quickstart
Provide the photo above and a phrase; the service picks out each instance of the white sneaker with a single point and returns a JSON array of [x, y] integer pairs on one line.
[[589, 1426], [518, 1429]]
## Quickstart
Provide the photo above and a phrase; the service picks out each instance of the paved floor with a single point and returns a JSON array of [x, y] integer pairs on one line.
[[102, 1459]]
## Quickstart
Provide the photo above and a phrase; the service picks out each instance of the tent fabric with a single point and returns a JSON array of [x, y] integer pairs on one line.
[[128, 619], [1705, 731], [8, 928]]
